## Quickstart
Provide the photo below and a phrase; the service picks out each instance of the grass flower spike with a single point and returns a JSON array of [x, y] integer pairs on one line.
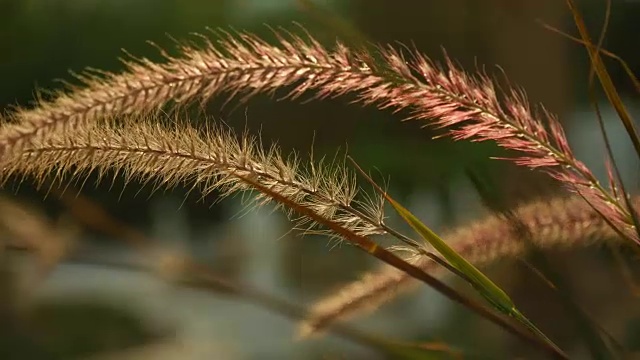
[[243, 65], [141, 150]]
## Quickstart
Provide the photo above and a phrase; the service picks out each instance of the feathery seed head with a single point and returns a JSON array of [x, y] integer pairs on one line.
[[211, 160], [243, 65]]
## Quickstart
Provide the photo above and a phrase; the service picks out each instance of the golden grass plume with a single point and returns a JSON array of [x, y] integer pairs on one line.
[[468, 106], [209, 159]]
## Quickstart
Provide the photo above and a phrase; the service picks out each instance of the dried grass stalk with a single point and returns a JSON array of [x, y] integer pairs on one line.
[[558, 223]]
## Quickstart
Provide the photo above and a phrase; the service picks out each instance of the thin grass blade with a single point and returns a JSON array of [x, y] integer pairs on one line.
[[603, 75], [386, 256], [487, 288], [623, 63]]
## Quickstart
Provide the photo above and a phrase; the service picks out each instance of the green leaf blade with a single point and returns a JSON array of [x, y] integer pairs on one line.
[[481, 282]]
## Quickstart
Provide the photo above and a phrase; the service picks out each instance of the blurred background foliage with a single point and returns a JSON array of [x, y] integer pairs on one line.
[[42, 40]]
